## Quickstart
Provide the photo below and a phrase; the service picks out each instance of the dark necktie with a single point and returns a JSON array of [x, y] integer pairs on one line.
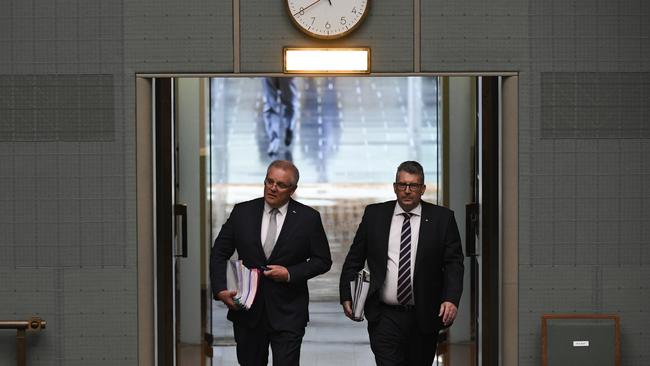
[[404, 291], [269, 242]]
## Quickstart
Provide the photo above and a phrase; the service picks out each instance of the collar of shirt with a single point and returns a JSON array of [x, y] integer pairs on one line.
[[417, 211], [283, 209]]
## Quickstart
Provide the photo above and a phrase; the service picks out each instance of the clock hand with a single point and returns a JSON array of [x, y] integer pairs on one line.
[[308, 6], [330, 2]]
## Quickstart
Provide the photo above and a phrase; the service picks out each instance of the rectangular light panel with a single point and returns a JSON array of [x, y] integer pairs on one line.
[[327, 60]]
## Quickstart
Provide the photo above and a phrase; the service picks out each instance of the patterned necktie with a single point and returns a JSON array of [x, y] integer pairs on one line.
[[269, 242], [404, 292]]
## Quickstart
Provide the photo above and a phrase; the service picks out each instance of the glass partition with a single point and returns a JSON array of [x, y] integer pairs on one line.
[[347, 137]]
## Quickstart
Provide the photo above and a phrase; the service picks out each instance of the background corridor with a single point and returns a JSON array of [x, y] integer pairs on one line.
[[350, 136]]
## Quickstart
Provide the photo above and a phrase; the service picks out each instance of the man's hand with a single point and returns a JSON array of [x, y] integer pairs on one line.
[[448, 312], [226, 297], [347, 308], [277, 273]]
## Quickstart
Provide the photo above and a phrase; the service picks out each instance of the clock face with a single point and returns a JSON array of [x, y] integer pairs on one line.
[[327, 18]]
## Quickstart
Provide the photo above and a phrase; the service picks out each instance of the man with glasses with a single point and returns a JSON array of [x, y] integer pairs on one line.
[[286, 240], [415, 259]]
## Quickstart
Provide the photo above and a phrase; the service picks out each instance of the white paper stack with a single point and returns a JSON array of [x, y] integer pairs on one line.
[[359, 288], [244, 281]]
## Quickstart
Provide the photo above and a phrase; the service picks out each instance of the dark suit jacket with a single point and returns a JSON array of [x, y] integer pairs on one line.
[[301, 247], [438, 272]]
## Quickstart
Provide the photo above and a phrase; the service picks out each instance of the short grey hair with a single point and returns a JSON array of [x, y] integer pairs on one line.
[[411, 167], [285, 165]]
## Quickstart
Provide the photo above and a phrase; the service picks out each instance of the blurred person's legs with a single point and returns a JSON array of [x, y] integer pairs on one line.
[[288, 97], [279, 110], [271, 113]]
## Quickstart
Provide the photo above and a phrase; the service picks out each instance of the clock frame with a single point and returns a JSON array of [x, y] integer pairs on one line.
[[316, 30]]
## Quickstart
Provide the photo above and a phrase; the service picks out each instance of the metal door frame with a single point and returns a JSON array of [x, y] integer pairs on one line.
[[149, 344]]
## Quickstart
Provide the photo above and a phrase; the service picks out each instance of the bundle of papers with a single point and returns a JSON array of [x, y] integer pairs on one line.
[[244, 281], [359, 288]]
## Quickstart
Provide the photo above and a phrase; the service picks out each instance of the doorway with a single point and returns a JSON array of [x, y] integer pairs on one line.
[[232, 182], [349, 136]]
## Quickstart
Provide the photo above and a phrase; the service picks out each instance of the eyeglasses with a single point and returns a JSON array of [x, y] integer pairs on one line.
[[413, 186], [268, 182]]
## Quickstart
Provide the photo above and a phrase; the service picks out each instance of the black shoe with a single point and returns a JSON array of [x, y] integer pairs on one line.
[[288, 137], [288, 155]]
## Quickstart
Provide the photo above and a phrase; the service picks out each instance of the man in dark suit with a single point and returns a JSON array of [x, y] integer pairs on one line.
[[286, 239], [415, 261]]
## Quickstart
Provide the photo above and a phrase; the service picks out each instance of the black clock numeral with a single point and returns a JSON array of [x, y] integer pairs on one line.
[[354, 10], [302, 11], [328, 25], [343, 21], [313, 19]]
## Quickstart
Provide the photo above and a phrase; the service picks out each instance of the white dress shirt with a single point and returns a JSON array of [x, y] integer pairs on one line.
[[389, 290]]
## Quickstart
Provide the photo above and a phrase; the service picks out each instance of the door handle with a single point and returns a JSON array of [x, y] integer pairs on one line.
[[181, 210], [471, 228]]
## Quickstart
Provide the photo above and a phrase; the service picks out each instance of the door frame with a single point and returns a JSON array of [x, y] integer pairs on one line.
[[149, 342]]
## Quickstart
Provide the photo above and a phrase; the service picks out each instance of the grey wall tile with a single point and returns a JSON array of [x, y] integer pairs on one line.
[[180, 36], [267, 28]]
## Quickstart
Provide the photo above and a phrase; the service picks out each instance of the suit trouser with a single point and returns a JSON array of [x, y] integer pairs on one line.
[[253, 344], [396, 340], [280, 98]]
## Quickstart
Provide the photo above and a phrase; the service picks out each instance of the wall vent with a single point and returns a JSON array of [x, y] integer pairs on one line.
[[57, 108], [596, 105]]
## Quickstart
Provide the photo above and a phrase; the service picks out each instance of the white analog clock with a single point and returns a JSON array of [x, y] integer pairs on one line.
[[327, 18]]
